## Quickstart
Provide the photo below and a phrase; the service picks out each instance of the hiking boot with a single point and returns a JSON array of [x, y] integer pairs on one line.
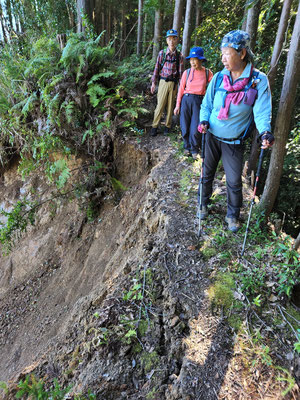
[[166, 130], [153, 132], [195, 156], [233, 224], [203, 214], [186, 152]]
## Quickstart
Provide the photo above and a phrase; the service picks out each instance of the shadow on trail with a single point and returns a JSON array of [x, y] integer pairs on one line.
[[213, 371]]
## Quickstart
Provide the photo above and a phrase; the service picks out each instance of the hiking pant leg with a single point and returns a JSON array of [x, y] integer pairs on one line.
[[185, 121], [212, 155], [232, 158], [162, 98], [195, 136], [172, 94]]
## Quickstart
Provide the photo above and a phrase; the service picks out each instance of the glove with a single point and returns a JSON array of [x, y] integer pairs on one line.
[[267, 136], [205, 125]]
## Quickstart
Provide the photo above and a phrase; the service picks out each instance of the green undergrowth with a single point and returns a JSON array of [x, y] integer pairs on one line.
[[253, 294], [58, 104], [38, 389]]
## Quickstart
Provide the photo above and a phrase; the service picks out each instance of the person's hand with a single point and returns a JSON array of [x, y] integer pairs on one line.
[[153, 86], [267, 140], [176, 110], [203, 127]]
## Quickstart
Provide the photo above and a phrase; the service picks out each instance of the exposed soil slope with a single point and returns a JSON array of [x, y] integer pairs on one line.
[[120, 305]]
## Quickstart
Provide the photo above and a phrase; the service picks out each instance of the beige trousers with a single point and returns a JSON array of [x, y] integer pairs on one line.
[[166, 96]]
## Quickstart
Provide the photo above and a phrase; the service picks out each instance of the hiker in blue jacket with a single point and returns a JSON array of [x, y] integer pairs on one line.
[[235, 96]]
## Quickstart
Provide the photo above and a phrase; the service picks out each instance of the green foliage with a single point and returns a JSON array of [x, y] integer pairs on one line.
[[26, 105], [297, 344], [221, 292], [43, 61], [133, 71], [287, 267], [288, 378], [117, 185], [70, 109], [287, 204], [134, 293], [252, 279], [216, 23], [79, 53], [257, 301], [96, 93], [149, 361], [128, 333], [4, 387], [101, 336], [59, 170], [35, 389], [18, 220], [208, 252], [91, 211]]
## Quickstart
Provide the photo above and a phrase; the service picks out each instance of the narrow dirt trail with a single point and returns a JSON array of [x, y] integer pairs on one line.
[[120, 306]]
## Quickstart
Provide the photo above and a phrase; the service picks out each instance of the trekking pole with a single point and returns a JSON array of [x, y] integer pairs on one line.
[[201, 183], [253, 198]]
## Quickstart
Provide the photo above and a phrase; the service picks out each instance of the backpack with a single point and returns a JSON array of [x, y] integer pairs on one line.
[[206, 74], [251, 124], [164, 60]]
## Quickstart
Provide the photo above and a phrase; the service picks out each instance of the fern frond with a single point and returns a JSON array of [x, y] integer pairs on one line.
[[96, 94], [130, 111], [106, 74]]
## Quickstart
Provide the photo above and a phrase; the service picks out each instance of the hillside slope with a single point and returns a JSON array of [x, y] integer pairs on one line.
[[121, 306]]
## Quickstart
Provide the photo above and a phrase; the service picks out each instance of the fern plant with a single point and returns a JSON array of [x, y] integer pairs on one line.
[[79, 53], [17, 222], [43, 62]]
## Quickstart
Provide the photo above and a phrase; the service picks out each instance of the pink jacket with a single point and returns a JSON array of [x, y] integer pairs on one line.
[[196, 83]]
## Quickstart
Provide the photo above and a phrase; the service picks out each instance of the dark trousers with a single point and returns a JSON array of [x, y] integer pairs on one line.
[[232, 158], [189, 121]]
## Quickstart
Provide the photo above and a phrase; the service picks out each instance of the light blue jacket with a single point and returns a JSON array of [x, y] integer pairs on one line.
[[239, 115]]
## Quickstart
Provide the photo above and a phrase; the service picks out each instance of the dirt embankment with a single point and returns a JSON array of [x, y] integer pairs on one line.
[[119, 306]]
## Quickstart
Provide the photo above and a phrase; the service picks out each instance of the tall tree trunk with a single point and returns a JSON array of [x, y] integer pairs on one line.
[[139, 29], [115, 23], [86, 7], [97, 23], [157, 33], [187, 29], [70, 15], [177, 20], [102, 41], [9, 14], [81, 9], [4, 37], [282, 27], [124, 35], [145, 36], [108, 30], [297, 242], [197, 21], [286, 104], [244, 21], [252, 23]]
